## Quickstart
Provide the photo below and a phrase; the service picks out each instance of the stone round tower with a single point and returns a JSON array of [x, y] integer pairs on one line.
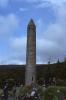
[[30, 73]]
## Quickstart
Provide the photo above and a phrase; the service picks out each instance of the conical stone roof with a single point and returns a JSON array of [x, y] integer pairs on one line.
[[31, 22]]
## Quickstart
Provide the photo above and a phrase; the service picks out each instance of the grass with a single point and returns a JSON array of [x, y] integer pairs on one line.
[[45, 94], [51, 93]]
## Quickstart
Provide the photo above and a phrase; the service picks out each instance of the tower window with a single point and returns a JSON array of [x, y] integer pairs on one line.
[[32, 78]]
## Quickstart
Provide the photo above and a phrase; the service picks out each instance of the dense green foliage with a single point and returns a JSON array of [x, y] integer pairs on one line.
[[17, 72], [51, 92]]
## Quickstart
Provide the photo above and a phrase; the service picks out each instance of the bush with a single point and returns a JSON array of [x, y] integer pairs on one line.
[[51, 92], [25, 89]]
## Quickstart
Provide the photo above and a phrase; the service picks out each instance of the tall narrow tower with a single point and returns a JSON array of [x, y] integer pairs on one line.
[[30, 73]]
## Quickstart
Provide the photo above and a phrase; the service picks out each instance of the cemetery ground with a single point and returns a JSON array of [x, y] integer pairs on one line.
[[49, 93]]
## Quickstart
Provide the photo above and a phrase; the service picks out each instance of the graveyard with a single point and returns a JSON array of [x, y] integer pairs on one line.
[[50, 93]]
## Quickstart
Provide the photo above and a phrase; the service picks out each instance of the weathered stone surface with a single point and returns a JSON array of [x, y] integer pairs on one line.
[[30, 73]]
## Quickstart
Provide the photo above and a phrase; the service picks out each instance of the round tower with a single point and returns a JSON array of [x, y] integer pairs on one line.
[[30, 73]]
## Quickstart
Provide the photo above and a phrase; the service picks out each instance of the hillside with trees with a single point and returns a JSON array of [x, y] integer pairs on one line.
[[17, 72]]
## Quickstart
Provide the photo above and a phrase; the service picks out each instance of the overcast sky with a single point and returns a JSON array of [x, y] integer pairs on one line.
[[50, 19]]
